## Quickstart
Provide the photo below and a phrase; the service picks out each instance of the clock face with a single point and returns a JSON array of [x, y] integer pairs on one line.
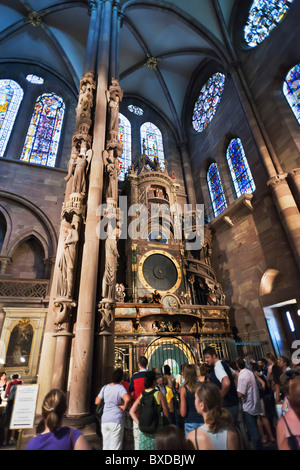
[[170, 303], [160, 272]]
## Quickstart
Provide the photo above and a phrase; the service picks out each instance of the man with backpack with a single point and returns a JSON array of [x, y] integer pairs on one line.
[[223, 376], [136, 387], [147, 412]]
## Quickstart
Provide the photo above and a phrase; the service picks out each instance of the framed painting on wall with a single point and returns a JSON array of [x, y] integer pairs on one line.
[[21, 338]]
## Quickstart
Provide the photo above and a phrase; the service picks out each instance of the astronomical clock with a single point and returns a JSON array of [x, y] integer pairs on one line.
[[171, 305]]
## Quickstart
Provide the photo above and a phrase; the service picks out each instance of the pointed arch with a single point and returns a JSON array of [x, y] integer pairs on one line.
[[215, 188], [291, 90], [125, 139], [152, 142], [42, 140], [239, 168], [11, 95]]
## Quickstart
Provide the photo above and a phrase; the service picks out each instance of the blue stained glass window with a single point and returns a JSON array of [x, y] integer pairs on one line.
[[291, 90], [11, 95], [209, 99], [239, 168], [125, 139], [135, 110], [42, 140], [216, 189], [264, 16], [152, 142]]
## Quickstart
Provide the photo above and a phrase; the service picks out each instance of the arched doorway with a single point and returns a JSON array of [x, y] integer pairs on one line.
[[280, 309], [168, 351]]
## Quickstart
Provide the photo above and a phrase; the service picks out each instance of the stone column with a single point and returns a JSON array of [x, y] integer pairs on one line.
[[80, 386], [187, 172], [295, 177], [93, 37], [115, 42], [288, 212]]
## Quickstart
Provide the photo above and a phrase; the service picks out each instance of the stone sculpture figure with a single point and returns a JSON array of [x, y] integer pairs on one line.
[[85, 101], [107, 314], [67, 260], [112, 169], [110, 269], [78, 167]]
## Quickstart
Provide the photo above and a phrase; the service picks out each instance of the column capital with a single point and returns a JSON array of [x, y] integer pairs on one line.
[[295, 172], [277, 180], [93, 5]]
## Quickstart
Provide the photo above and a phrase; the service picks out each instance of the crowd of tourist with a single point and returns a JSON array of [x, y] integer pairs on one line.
[[215, 405]]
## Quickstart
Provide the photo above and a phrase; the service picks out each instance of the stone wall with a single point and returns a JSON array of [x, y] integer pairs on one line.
[[256, 242]]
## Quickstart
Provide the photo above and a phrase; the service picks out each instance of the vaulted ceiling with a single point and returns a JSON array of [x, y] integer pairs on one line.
[[179, 33]]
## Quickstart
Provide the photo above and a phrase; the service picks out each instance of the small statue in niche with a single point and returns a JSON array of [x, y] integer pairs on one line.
[[156, 297], [107, 315], [85, 101], [86, 97], [110, 269], [220, 294], [183, 297], [67, 260]]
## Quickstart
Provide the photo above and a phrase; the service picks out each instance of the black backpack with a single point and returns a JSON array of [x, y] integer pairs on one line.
[[12, 392], [148, 412]]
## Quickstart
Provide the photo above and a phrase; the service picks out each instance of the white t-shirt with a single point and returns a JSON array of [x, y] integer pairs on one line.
[[220, 371], [248, 387]]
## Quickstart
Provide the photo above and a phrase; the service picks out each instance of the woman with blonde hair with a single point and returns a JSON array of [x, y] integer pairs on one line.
[[56, 437], [187, 410], [218, 432]]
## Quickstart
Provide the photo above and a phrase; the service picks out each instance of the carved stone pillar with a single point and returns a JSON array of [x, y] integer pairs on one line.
[[81, 373], [54, 362], [288, 212]]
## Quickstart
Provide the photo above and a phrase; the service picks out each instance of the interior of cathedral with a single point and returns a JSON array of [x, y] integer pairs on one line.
[[149, 186]]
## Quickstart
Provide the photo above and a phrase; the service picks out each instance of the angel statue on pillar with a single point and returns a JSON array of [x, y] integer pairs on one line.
[[78, 167], [110, 269], [114, 96], [66, 262], [112, 169]]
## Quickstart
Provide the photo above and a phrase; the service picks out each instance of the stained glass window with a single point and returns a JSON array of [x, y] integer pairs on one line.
[[11, 95], [41, 144], [152, 142], [216, 189], [209, 99], [239, 168], [291, 90], [136, 110], [264, 16], [35, 79], [125, 139]]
